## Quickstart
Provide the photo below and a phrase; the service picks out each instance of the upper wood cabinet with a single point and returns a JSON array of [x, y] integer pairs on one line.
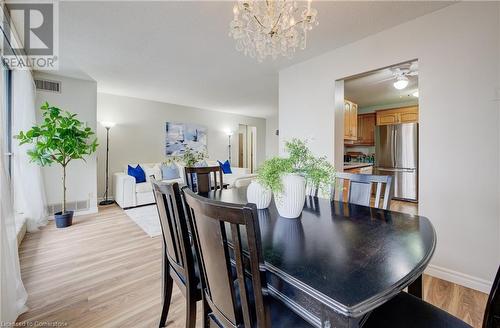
[[366, 131], [397, 115], [350, 120]]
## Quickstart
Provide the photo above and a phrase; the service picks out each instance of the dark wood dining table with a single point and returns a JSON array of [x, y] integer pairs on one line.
[[337, 262]]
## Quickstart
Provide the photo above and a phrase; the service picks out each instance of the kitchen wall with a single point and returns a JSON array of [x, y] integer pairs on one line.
[[458, 49], [139, 134], [80, 97]]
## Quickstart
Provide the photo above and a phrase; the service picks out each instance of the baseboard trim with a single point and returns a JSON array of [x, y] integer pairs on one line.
[[459, 278], [21, 233], [102, 198], [92, 210]]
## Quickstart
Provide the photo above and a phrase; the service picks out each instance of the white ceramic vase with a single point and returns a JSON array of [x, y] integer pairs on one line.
[[259, 195], [290, 202]]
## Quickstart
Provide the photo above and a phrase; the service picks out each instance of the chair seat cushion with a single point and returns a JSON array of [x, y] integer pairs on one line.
[[405, 310]]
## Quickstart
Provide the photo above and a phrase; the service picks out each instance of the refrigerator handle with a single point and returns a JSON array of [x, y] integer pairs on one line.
[[393, 150], [395, 146]]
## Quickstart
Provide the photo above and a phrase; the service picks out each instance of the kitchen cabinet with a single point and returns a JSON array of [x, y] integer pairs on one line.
[[350, 120], [397, 115], [366, 130]]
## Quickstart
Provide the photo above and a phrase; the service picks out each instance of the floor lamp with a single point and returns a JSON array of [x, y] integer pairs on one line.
[[108, 126], [229, 134]]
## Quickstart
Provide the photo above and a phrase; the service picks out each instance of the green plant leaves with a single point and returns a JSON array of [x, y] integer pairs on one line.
[[317, 171], [60, 138]]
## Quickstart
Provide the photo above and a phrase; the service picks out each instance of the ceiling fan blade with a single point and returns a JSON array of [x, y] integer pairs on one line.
[[382, 81]]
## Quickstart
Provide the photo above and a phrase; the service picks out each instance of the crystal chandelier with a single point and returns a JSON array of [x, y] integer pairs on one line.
[[271, 27]]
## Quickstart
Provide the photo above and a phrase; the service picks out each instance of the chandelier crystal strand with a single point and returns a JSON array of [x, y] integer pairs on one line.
[[271, 28]]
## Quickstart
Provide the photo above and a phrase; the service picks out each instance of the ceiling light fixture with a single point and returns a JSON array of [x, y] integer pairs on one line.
[[401, 82], [415, 94], [271, 28]]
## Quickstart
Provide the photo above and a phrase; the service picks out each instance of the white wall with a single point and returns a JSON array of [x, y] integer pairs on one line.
[[272, 140], [80, 97], [458, 52], [139, 136]]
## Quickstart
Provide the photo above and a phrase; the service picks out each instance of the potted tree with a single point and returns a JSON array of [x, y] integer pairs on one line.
[[287, 177], [60, 138]]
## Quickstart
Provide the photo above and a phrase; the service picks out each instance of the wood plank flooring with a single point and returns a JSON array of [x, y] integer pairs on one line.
[[104, 271]]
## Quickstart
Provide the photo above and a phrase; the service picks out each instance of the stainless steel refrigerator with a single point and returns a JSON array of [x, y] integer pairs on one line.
[[396, 154]]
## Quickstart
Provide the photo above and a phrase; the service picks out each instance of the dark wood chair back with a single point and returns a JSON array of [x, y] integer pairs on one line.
[[206, 178], [357, 189], [492, 312], [219, 230], [175, 231]]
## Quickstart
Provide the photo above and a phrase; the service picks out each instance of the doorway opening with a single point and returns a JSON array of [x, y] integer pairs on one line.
[[377, 115], [247, 147]]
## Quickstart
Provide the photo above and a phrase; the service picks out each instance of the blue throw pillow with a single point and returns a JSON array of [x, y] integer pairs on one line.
[[137, 173], [226, 167], [170, 172]]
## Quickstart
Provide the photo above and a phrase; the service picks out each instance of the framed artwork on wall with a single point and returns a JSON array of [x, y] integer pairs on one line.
[[180, 136]]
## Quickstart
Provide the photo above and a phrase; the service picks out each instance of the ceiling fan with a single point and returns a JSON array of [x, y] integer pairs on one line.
[[400, 74]]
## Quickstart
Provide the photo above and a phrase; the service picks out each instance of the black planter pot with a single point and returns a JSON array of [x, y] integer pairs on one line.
[[63, 220]]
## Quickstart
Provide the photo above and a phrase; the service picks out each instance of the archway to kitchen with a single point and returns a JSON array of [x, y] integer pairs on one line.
[[376, 128]]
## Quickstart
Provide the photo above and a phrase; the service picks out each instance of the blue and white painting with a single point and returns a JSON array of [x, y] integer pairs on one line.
[[180, 136]]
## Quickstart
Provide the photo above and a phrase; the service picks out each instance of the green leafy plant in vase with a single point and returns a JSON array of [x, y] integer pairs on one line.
[[192, 157], [287, 177], [60, 138]]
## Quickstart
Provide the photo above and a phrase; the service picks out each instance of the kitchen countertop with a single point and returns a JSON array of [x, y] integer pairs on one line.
[[355, 165]]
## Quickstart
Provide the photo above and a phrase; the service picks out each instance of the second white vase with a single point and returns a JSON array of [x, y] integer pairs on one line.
[[259, 195], [290, 202]]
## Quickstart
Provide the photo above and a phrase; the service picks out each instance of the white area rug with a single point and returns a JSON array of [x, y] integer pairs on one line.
[[146, 217]]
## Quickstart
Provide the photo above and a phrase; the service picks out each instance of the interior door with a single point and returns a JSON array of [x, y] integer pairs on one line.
[[240, 150]]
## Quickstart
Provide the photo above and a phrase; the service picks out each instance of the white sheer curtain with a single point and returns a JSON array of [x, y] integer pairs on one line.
[[29, 192], [13, 296]]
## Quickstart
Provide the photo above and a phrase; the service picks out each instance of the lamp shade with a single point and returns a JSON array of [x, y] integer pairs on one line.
[[108, 125]]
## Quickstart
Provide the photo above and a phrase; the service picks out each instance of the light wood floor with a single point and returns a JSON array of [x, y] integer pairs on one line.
[[104, 271]]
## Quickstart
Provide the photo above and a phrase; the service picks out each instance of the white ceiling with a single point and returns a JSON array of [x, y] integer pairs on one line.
[[180, 52], [377, 89]]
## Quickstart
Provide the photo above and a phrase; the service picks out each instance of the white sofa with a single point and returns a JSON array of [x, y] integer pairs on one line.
[[128, 193]]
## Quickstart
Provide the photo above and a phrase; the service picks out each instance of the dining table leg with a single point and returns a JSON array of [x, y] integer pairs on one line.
[[416, 288]]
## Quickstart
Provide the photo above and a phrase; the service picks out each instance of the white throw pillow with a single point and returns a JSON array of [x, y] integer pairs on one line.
[[152, 170]]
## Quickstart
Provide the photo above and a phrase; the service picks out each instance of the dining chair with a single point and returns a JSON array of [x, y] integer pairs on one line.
[[178, 258], [405, 310], [227, 236], [359, 189], [206, 178]]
